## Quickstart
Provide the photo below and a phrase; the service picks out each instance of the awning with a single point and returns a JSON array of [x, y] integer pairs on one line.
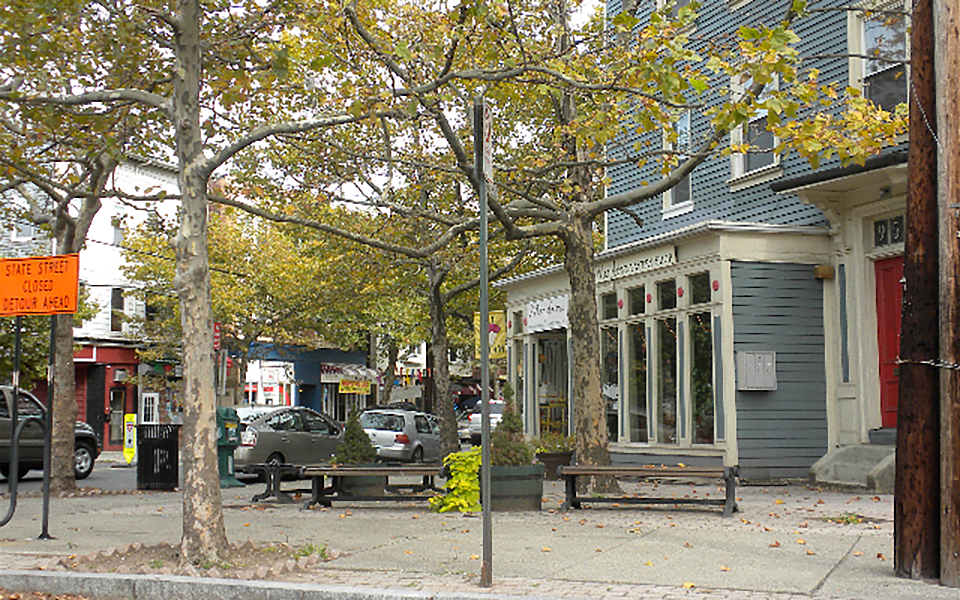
[[337, 372]]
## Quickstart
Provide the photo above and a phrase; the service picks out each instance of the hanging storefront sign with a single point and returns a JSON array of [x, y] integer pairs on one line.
[[496, 332], [348, 386], [547, 314]]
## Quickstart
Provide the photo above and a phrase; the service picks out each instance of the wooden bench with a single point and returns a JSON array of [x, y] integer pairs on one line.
[[324, 495], [728, 474]]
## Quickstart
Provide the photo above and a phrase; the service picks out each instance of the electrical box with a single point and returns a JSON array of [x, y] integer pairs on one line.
[[756, 371]]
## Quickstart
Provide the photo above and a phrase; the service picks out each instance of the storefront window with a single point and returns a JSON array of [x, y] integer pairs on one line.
[[667, 380], [636, 300], [667, 294], [610, 378], [701, 375], [637, 392], [609, 306], [700, 288]]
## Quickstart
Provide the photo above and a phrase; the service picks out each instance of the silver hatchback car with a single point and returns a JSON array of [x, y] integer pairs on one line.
[[290, 434], [403, 435]]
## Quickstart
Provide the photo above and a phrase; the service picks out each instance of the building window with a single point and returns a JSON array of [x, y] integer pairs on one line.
[[150, 403], [22, 231], [678, 199], [759, 159], [700, 288], [610, 378], [701, 377], [637, 383], [636, 300], [674, 6], [116, 309], [666, 394], [609, 304], [667, 294], [883, 46]]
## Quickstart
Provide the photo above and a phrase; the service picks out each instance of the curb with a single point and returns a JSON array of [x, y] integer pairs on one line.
[[110, 586]]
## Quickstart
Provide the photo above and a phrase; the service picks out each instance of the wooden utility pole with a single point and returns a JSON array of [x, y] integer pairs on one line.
[[947, 20], [917, 492]]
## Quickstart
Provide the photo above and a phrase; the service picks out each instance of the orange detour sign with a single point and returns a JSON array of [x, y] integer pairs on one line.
[[45, 285]]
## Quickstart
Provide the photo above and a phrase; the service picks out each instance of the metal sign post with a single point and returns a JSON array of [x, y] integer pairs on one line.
[[483, 152], [46, 285]]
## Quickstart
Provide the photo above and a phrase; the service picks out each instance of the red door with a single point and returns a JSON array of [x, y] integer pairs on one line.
[[889, 274]]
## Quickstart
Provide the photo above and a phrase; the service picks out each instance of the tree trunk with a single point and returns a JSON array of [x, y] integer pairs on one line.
[[64, 406], [588, 405], [389, 373], [917, 499], [204, 536], [449, 440]]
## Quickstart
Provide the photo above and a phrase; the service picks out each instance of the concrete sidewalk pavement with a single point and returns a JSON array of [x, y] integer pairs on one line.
[[786, 542]]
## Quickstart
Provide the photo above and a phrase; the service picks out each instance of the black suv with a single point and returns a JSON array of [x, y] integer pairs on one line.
[[86, 447]]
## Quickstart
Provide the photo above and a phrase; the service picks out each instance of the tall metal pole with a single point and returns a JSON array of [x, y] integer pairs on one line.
[[947, 23], [480, 128]]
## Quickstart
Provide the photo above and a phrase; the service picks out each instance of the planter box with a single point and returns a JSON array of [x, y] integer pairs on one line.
[[516, 488], [364, 485], [552, 460]]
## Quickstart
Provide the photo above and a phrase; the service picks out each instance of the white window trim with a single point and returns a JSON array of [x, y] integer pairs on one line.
[[740, 178], [671, 210], [16, 237]]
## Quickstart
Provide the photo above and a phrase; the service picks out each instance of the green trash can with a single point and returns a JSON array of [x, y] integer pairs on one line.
[[228, 438]]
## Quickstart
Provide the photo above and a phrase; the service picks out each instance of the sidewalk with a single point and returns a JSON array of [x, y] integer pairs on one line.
[[784, 544]]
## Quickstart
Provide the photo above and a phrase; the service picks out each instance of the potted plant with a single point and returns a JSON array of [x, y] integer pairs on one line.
[[516, 480], [356, 450], [553, 449]]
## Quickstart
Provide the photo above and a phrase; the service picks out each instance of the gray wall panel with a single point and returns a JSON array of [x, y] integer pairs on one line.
[[779, 307]]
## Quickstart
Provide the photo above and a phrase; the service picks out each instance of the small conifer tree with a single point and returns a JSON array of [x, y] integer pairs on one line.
[[356, 447]]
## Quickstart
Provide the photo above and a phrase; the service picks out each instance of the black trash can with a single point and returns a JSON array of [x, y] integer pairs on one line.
[[158, 456]]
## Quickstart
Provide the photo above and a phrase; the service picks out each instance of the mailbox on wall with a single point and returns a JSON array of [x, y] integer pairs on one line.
[[756, 371]]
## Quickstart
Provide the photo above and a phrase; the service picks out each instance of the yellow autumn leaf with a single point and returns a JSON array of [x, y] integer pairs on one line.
[[687, 585], [546, 550], [474, 557], [810, 552], [408, 551], [775, 545], [857, 553], [722, 568], [801, 542], [778, 501]]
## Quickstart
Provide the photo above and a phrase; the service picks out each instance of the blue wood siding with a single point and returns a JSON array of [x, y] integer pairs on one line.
[[779, 307], [824, 46]]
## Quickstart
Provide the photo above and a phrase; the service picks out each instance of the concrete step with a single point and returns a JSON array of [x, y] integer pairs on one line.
[[869, 467]]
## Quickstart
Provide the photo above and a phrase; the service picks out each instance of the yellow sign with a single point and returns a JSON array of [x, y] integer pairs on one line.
[[496, 332], [129, 437], [354, 387], [45, 285]]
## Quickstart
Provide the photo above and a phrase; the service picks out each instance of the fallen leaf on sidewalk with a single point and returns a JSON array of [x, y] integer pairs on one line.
[[778, 501], [649, 563], [688, 545], [857, 553], [810, 552], [801, 542], [722, 568], [408, 551], [688, 585], [775, 545], [546, 550], [881, 556], [474, 557]]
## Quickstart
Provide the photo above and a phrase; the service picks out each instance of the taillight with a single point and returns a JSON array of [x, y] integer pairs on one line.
[[401, 438]]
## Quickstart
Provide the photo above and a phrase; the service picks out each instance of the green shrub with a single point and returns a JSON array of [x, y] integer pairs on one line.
[[356, 447], [508, 444], [553, 442], [463, 483]]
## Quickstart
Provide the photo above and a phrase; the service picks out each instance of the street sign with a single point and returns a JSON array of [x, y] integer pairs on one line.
[[129, 437], [216, 336], [487, 142], [45, 285]]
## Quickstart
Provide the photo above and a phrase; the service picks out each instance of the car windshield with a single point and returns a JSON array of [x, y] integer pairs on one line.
[[381, 421], [496, 408]]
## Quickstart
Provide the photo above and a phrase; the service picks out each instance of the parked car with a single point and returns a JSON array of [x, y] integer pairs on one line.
[[289, 434], [476, 420], [404, 435], [86, 446], [463, 427]]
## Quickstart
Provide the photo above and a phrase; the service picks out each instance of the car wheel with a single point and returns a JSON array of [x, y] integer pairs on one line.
[[417, 456], [82, 461], [276, 459]]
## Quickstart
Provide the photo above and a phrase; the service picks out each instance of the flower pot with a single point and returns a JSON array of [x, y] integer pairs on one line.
[[364, 485], [552, 460], [516, 488]]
